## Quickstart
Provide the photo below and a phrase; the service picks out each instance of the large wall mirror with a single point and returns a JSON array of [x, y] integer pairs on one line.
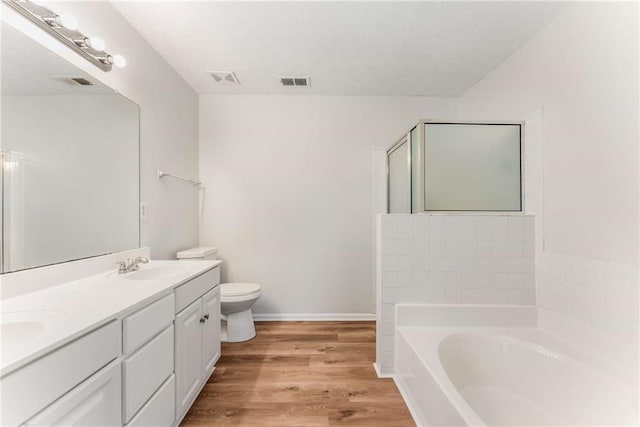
[[69, 151]]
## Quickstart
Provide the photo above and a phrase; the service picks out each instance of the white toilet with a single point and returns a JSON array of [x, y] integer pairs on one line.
[[236, 300]]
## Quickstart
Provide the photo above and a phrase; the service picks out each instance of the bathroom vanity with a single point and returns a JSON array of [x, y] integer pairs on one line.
[[129, 349]]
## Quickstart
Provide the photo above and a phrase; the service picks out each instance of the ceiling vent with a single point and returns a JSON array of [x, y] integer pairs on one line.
[[225, 77], [81, 81], [75, 81], [297, 81]]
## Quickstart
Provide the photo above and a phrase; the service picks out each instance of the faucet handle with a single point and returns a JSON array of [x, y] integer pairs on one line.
[[122, 267]]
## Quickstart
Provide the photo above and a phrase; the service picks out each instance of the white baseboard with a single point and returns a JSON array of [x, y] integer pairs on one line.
[[313, 317], [378, 373]]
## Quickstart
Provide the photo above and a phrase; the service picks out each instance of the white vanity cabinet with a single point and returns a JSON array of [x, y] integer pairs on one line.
[[197, 337], [95, 402], [148, 359], [30, 389], [144, 366]]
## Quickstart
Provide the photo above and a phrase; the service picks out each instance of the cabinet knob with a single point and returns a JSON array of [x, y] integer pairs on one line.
[[202, 320], [206, 316]]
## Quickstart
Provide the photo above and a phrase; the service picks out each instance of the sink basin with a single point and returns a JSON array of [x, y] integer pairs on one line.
[[154, 272], [24, 326]]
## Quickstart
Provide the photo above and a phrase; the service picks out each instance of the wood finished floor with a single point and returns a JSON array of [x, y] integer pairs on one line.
[[300, 374]]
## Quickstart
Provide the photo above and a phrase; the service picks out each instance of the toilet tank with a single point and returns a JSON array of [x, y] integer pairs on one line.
[[207, 252]]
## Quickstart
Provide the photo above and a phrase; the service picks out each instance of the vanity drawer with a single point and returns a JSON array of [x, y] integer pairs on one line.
[[195, 288], [145, 323], [33, 387], [159, 410], [95, 402], [146, 370]]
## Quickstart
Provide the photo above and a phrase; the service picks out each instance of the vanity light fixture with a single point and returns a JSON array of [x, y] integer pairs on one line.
[[64, 28], [95, 43], [62, 21]]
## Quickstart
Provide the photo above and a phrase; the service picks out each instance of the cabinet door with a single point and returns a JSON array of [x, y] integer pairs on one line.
[[95, 402], [210, 330], [188, 355]]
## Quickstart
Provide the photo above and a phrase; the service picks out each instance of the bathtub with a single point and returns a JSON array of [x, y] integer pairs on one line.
[[511, 366]]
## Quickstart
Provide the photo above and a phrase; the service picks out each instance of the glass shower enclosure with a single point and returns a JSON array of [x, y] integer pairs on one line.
[[456, 166]]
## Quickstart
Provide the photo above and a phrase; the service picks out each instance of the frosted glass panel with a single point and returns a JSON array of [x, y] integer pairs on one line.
[[472, 167], [399, 180]]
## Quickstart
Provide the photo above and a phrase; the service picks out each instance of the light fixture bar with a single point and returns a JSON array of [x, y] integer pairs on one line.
[[63, 28]]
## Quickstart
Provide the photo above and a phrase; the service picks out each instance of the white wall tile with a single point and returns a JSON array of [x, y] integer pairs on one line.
[[528, 226], [388, 311], [389, 279], [468, 280], [437, 295], [389, 263], [452, 295], [528, 249], [500, 229], [455, 259], [461, 227], [405, 227], [484, 248], [515, 228], [389, 230], [420, 226], [484, 296], [436, 278], [404, 263], [468, 296], [405, 279], [461, 247], [514, 296], [484, 227], [529, 296], [421, 247], [500, 248], [437, 247], [420, 263], [389, 295], [438, 227]]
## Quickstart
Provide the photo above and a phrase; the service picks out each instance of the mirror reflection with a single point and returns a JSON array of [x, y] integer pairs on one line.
[[70, 160]]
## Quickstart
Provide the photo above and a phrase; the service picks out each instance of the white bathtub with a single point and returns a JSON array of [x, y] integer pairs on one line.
[[511, 366]]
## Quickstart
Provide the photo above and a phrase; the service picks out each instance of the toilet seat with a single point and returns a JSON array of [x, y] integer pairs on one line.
[[238, 289]]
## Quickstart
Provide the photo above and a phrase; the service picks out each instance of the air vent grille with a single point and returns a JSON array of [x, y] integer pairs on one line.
[[295, 81], [80, 81], [225, 77]]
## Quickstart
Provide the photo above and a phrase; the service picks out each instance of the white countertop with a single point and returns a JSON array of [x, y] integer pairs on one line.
[[67, 311]]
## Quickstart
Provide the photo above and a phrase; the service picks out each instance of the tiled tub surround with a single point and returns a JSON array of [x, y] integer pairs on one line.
[[450, 259], [519, 364], [601, 294]]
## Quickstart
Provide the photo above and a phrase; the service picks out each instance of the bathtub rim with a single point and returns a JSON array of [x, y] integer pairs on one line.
[[489, 316]]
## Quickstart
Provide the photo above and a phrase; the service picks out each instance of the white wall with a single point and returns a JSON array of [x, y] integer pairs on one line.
[[168, 121], [289, 200], [581, 71]]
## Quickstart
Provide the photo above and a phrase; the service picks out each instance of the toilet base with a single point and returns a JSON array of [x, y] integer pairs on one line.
[[239, 327]]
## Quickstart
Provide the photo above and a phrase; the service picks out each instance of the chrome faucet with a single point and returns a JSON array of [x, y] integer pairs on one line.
[[128, 266]]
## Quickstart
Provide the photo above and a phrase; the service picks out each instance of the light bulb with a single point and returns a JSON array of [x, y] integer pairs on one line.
[[95, 43], [67, 21], [118, 61]]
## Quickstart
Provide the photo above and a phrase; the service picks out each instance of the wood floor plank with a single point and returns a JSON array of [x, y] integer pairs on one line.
[[300, 374]]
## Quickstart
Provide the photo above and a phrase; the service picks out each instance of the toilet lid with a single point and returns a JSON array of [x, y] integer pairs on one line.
[[238, 289]]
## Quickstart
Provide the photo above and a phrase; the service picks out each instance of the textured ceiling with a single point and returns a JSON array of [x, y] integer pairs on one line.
[[28, 68], [348, 48]]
